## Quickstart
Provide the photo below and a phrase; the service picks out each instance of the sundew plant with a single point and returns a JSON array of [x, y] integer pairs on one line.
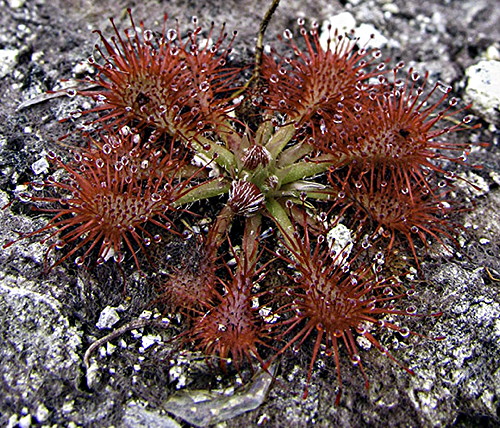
[[319, 170]]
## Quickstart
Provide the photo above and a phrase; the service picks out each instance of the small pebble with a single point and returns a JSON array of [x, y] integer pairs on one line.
[[25, 421], [42, 413], [41, 166], [108, 318]]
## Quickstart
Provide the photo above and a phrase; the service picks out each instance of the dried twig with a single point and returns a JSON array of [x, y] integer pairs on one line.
[[132, 325]]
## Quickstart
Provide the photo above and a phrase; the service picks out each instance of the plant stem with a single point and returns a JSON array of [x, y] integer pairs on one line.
[[280, 139], [211, 149], [259, 46], [280, 217], [222, 224], [250, 241], [300, 170], [293, 154], [204, 191]]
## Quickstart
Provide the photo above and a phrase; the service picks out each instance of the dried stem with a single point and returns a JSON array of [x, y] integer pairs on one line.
[[132, 325], [259, 46]]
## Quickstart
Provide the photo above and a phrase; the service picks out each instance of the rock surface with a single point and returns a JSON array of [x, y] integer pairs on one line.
[[48, 321]]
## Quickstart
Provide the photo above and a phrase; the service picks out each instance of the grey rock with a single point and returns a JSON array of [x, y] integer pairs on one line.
[[38, 348], [203, 408], [137, 416]]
